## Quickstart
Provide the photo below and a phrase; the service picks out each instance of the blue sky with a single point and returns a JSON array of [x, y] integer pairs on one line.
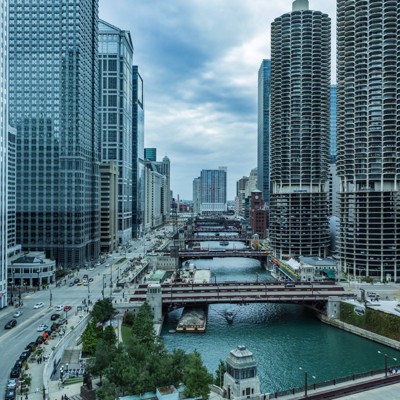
[[199, 60]]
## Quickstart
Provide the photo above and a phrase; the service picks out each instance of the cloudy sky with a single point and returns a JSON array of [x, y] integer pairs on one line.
[[199, 60]]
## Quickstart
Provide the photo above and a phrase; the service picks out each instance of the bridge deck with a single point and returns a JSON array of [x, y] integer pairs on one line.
[[243, 292]]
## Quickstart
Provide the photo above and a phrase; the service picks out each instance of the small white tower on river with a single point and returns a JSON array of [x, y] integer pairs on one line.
[[241, 380]]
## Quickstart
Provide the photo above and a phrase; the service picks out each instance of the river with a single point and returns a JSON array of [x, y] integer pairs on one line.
[[283, 338]]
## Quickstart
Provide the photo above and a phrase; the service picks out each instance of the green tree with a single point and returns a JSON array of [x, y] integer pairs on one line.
[[142, 327], [103, 310], [128, 318], [196, 377], [109, 336], [89, 339], [219, 373], [102, 359]]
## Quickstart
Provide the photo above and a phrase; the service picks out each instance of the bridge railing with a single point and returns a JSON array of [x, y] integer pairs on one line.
[[328, 383]]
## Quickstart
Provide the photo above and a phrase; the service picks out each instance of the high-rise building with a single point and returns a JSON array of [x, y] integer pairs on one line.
[[3, 150], [164, 168], [240, 200], [300, 92], [53, 102], [264, 108], [109, 207], [213, 191], [137, 153], [115, 67], [368, 137], [332, 135], [11, 197], [196, 196], [150, 153]]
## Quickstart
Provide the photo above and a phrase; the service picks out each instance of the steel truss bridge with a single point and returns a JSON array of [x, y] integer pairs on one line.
[[202, 294]]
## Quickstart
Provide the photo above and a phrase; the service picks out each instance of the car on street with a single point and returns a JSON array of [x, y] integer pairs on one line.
[[10, 324], [76, 280], [39, 340], [11, 383], [17, 314], [91, 268], [10, 394], [80, 283], [60, 308], [67, 308], [39, 305], [90, 279], [71, 284], [15, 372], [24, 355], [54, 316], [42, 327]]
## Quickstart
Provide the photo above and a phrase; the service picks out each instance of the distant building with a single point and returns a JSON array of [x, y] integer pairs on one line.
[[368, 137], [3, 150], [213, 191], [196, 195], [109, 207], [300, 101], [258, 215], [32, 269], [115, 66], [240, 199], [53, 104], [332, 131], [264, 110], [150, 153], [137, 152], [155, 187]]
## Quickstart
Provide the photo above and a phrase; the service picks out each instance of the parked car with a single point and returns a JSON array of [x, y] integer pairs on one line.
[[11, 384], [76, 280], [54, 316], [67, 308], [15, 372], [10, 324], [39, 340], [60, 308], [10, 394], [61, 321], [39, 305], [71, 284], [24, 355], [17, 314], [42, 327], [30, 346]]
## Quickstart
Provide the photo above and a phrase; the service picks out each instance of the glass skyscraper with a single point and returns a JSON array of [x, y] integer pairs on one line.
[[54, 107], [368, 137], [213, 190], [264, 108], [115, 68], [3, 150], [300, 85], [138, 156]]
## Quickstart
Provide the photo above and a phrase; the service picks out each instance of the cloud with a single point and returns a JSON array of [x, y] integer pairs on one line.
[[199, 60]]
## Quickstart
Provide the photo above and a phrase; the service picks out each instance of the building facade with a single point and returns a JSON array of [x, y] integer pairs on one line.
[[53, 103], [137, 152], [332, 134], [300, 92], [150, 153], [368, 137], [115, 68], [240, 200], [263, 137], [3, 150], [108, 207], [213, 191], [196, 196], [258, 215]]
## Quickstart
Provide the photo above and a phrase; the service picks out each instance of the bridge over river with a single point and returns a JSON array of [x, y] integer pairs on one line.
[[202, 294], [246, 253]]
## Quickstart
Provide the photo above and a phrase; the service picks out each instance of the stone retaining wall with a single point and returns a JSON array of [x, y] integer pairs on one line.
[[360, 332]]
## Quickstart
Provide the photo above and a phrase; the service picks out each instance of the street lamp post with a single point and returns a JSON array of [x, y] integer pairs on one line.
[[102, 291], [38, 275], [306, 380], [386, 361]]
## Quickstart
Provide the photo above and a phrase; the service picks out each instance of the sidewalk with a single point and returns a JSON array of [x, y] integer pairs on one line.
[[54, 392]]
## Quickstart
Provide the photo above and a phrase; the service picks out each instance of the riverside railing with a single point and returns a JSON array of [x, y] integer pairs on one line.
[[332, 382]]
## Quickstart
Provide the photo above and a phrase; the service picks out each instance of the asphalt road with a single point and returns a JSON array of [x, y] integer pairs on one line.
[[14, 341]]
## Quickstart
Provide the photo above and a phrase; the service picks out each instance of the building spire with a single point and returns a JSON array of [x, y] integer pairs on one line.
[[300, 5]]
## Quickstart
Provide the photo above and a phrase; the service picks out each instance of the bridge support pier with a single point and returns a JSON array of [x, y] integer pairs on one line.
[[154, 298], [333, 308]]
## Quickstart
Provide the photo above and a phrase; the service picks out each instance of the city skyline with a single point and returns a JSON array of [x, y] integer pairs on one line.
[[199, 64]]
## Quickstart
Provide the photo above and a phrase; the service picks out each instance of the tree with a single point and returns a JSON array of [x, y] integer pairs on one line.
[[89, 339], [142, 327], [219, 373], [196, 377], [109, 336], [102, 359], [103, 310]]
